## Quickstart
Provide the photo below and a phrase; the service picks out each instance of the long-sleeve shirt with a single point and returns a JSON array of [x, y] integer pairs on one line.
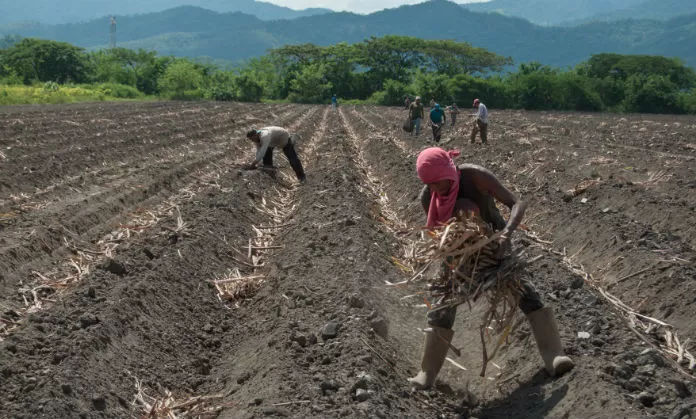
[[482, 114], [271, 137]]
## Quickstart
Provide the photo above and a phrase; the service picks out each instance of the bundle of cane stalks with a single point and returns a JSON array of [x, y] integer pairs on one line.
[[473, 266]]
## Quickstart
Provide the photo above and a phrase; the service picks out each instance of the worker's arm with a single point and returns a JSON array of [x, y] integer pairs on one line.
[[425, 198], [486, 181], [264, 142]]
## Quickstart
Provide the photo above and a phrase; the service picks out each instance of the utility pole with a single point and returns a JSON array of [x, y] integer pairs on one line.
[[112, 33]]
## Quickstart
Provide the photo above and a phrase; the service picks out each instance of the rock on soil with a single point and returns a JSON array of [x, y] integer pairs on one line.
[[330, 331]]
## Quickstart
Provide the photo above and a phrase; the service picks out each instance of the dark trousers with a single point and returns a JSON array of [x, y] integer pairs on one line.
[[291, 154], [437, 132], [529, 302], [482, 128]]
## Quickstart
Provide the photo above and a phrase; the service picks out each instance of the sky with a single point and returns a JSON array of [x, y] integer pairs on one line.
[[356, 6]]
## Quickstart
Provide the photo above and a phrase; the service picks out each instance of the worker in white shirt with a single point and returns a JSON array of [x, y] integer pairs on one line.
[[481, 122], [268, 138]]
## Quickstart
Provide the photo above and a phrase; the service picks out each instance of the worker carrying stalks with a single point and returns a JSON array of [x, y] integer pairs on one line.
[[448, 190], [416, 114], [268, 138]]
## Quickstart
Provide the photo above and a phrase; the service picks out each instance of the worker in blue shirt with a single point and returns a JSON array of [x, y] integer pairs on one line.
[[438, 119]]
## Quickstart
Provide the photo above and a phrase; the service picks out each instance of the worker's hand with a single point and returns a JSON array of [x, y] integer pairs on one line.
[[504, 245]]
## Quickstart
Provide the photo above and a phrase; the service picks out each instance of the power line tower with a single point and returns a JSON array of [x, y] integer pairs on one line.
[[112, 33]]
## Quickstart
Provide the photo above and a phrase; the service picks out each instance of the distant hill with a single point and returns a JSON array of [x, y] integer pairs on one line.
[[195, 32], [663, 10], [551, 12], [73, 11]]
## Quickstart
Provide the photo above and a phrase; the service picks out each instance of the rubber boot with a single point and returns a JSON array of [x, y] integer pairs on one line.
[[545, 331], [434, 353]]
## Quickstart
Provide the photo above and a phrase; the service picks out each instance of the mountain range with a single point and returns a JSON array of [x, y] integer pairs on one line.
[[195, 32], [72, 11], [571, 12], [542, 12], [648, 9]]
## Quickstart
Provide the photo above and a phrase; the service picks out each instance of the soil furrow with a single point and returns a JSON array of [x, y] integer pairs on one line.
[[551, 279], [28, 250], [323, 336]]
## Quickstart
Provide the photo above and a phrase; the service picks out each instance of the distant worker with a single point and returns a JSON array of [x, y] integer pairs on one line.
[[480, 123], [432, 103], [416, 113], [407, 102], [268, 138], [454, 111], [438, 119], [334, 101]]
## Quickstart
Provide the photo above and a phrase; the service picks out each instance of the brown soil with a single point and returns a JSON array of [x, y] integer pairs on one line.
[[116, 218]]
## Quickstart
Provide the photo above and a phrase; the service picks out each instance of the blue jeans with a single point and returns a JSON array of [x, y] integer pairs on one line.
[[416, 124]]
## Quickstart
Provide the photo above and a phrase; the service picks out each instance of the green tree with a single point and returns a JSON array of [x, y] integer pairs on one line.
[[575, 92], [624, 66], [494, 91], [651, 94], [181, 80], [452, 58], [610, 90], [687, 101], [310, 85], [220, 86], [393, 94], [430, 85], [248, 89], [140, 69], [41, 60], [267, 72]]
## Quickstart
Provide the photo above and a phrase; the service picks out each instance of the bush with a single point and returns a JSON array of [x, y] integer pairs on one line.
[[181, 80], [220, 86], [119, 91], [248, 89], [651, 94], [310, 85], [576, 93], [378, 98], [611, 91], [436, 86], [687, 101], [51, 87], [535, 91], [393, 94], [221, 93], [9, 77], [493, 91]]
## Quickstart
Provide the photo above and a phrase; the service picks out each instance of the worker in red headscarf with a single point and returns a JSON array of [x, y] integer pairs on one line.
[[449, 189]]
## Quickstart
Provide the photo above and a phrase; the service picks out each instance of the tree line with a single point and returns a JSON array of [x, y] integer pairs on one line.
[[379, 70]]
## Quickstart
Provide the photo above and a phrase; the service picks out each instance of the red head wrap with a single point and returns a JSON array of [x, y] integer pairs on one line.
[[434, 165]]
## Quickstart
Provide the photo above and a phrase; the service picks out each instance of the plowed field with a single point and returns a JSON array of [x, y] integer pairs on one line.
[[125, 230]]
